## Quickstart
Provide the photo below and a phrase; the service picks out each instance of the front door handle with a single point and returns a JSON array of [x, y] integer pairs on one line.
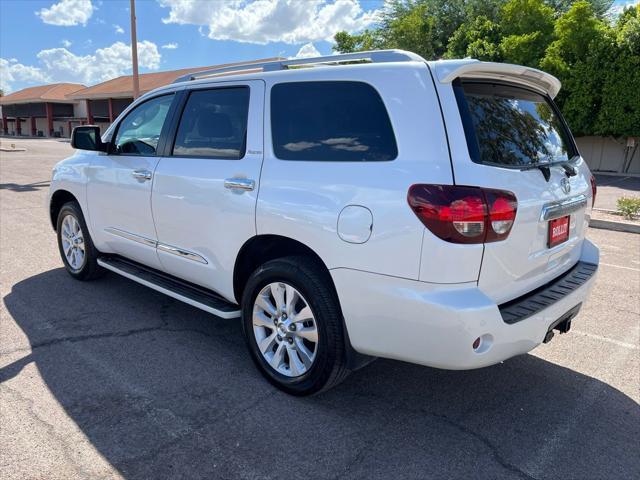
[[240, 184], [141, 174]]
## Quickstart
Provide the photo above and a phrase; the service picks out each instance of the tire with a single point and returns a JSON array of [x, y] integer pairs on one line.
[[73, 236], [298, 372]]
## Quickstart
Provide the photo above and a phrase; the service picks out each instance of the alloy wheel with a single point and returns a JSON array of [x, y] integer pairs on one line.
[[73, 242], [285, 329]]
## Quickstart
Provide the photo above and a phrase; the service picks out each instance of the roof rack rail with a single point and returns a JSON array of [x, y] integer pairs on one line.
[[374, 56]]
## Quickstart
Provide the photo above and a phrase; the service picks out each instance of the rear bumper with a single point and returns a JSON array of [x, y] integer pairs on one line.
[[436, 325]]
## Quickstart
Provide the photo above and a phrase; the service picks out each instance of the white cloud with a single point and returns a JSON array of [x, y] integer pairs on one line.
[[67, 13], [61, 65], [65, 43], [616, 9], [106, 63], [118, 28], [11, 71], [308, 50], [170, 46], [263, 21]]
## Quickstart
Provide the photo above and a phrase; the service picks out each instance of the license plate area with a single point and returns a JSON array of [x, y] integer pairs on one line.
[[558, 231]]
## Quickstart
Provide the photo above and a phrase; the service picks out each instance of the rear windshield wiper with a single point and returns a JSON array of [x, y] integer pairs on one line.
[[545, 168], [569, 168]]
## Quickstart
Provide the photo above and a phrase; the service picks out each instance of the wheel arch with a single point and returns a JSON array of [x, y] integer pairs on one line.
[[262, 248], [58, 199]]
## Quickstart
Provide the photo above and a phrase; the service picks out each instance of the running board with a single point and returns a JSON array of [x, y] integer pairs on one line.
[[185, 292]]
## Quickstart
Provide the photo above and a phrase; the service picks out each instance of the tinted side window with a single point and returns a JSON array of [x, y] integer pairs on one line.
[[330, 121], [139, 132], [214, 124]]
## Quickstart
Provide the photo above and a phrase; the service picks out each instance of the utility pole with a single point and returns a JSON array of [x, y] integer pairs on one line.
[[134, 51]]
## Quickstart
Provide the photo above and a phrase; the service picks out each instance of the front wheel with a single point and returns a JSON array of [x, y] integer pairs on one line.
[[293, 326], [79, 255]]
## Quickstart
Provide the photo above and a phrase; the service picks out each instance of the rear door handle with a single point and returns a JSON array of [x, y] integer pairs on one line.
[[141, 174], [239, 184]]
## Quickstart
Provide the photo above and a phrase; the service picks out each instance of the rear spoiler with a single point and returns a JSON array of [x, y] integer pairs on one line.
[[446, 71]]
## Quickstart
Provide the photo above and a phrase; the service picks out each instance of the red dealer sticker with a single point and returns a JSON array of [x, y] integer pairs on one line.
[[558, 231]]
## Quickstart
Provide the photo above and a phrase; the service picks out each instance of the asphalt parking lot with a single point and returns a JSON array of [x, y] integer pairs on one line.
[[108, 379]]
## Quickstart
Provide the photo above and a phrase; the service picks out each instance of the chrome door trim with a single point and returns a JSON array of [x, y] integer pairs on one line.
[[239, 184], [563, 208], [131, 236], [182, 253], [143, 175]]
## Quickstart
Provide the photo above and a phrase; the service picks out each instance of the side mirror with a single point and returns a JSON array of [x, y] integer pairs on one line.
[[87, 137]]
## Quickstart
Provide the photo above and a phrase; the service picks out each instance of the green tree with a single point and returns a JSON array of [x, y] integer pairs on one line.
[[405, 25], [600, 7], [581, 96], [596, 59], [478, 39], [367, 40], [619, 113], [628, 30], [421, 26], [599, 66], [583, 45], [527, 28], [575, 31], [411, 27]]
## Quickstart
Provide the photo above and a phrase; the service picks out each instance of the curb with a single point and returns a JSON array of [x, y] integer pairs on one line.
[[615, 226], [2, 149]]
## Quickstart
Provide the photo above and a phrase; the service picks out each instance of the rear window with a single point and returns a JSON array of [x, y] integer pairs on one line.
[[511, 126], [330, 121]]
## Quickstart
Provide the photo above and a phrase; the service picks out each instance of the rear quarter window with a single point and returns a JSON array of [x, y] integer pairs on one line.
[[510, 126], [330, 121]]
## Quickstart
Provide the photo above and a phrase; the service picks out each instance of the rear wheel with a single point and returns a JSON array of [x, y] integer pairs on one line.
[[78, 254], [293, 326]]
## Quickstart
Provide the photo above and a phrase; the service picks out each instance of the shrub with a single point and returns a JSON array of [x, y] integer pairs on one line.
[[629, 207]]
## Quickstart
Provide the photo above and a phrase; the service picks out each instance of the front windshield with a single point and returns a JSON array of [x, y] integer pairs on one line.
[[512, 126]]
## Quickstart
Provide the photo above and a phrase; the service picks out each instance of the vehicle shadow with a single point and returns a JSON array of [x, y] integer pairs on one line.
[[29, 187], [163, 390], [630, 183]]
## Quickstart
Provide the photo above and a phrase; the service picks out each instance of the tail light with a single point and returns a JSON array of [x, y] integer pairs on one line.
[[594, 190], [464, 214]]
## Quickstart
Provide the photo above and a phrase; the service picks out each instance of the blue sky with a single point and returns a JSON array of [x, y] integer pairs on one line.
[[87, 41]]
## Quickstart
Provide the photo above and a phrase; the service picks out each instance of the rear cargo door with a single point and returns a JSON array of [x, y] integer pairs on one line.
[[516, 140]]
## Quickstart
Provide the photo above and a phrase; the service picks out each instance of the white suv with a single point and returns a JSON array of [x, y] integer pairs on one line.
[[345, 208]]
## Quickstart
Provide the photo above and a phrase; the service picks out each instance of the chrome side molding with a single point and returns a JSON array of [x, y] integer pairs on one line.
[[182, 253], [563, 208], [131, 236], [154, 244]]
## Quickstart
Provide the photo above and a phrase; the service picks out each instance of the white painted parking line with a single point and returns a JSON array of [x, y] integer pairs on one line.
[[630, 346], [620, 266]]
